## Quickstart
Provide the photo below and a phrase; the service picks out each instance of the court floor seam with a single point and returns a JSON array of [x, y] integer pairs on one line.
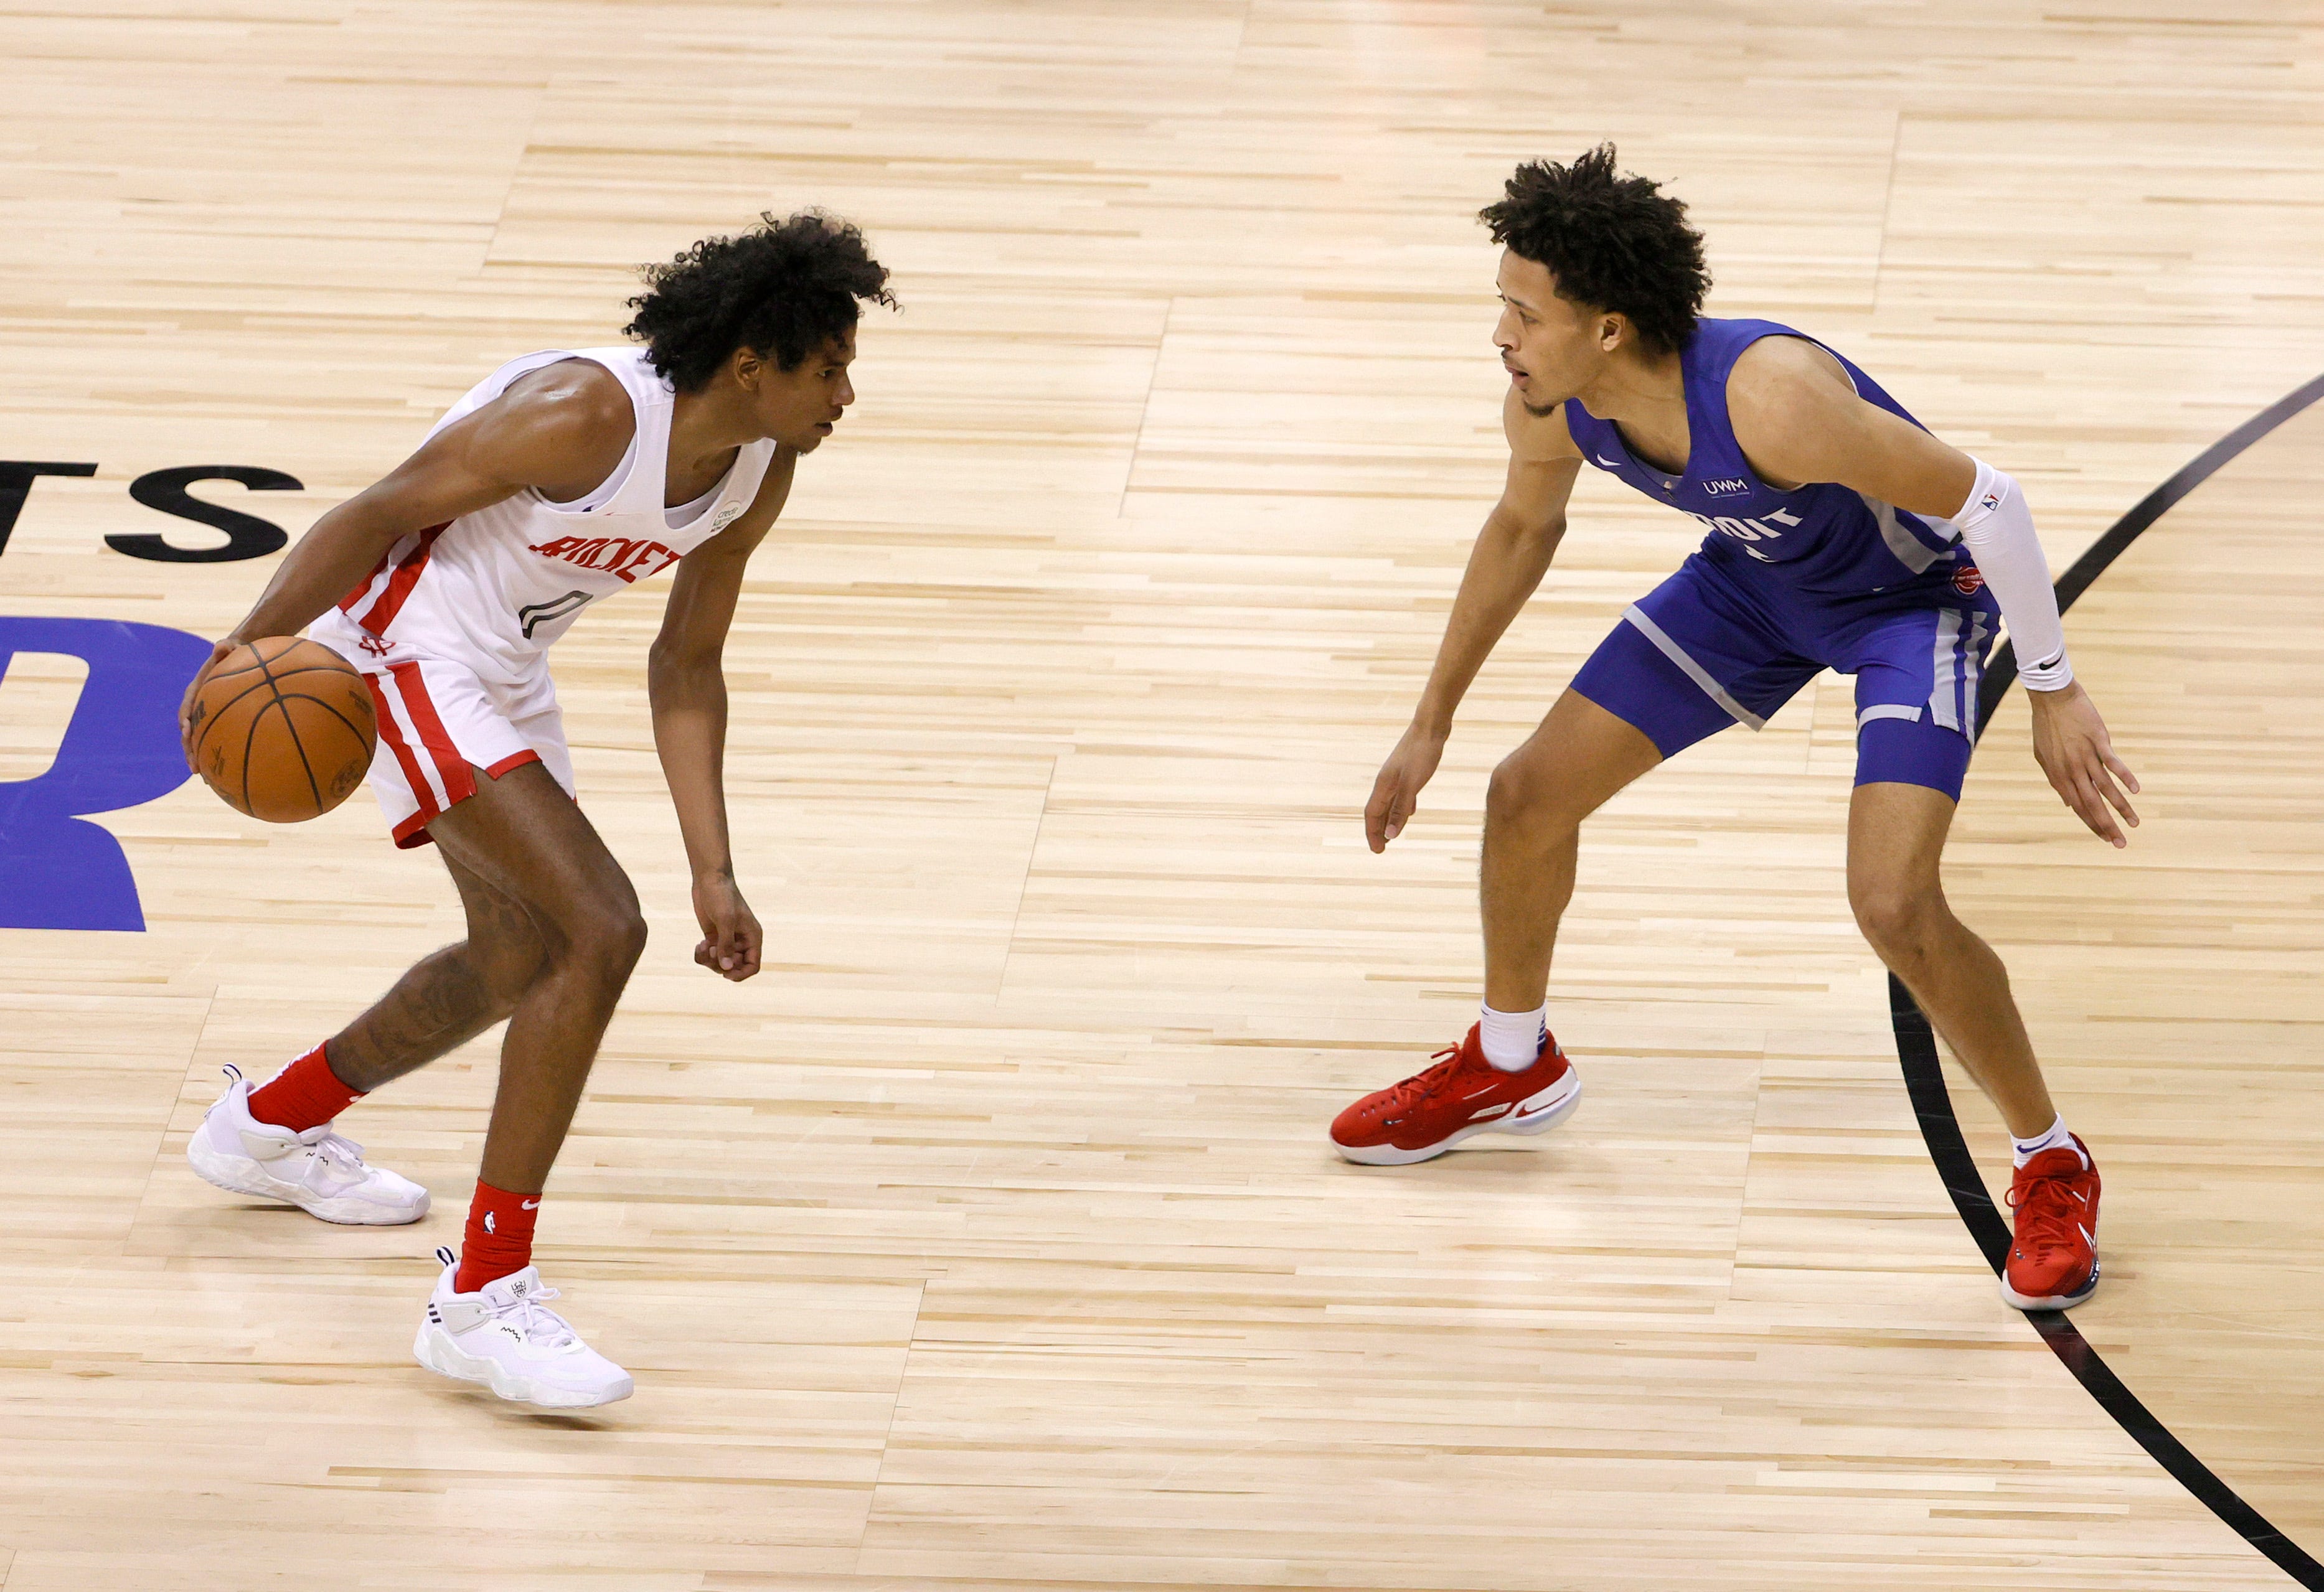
[[1025, 885], [895, 1406]]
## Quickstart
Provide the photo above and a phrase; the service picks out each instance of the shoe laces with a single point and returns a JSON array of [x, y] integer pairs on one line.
[[539, 1324], [339, 1154], [2050, 1212], [1424, 1084]]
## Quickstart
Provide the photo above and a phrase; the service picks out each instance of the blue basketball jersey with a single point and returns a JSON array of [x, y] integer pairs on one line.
[[1823, 540]]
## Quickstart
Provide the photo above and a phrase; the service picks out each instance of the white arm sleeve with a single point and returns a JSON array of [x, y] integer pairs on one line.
[[1998, 530]]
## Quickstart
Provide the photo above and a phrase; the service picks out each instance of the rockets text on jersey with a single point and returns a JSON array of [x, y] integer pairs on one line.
[[495, 588]]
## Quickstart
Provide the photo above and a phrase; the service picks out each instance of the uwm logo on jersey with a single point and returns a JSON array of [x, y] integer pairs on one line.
[[618, 555], [1734, 486]]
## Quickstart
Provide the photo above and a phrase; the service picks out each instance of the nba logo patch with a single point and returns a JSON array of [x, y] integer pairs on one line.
[[1969, 580]]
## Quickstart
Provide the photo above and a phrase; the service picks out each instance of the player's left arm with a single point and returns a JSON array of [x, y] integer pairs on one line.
[[1799, 419], [686, 684]]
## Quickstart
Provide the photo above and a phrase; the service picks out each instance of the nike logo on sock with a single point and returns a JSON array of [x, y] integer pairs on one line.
[[529, 1205]]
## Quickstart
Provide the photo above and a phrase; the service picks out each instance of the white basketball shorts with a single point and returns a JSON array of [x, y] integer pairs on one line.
[[440, 725]]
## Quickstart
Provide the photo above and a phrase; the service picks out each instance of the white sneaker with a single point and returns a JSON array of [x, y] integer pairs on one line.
[[502, 1337], [317, 1171]]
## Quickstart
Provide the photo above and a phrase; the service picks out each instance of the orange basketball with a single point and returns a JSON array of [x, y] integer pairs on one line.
[[283, 729]]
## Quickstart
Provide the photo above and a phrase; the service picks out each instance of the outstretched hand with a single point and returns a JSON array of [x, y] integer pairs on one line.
[[731, 938], [2070, 743], [1396, 794]]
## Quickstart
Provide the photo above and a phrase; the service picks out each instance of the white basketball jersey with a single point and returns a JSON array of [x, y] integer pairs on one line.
[[493, 589]]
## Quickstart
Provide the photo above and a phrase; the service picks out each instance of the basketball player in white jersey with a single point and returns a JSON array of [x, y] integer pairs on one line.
[[562, 478]]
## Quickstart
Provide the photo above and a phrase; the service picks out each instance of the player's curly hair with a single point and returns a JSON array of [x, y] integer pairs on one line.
[[782, 290], [1613, 243]]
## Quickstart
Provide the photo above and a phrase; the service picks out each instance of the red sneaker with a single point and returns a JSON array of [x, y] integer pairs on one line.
[[2053, 1262], [1462, 1095]]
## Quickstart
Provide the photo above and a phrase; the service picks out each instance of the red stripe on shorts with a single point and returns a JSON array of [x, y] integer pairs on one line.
[[393, 733], [518, 762], [381, 614], [459, 780]]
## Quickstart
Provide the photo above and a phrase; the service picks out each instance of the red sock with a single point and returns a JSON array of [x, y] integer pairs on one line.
[[305, 1094], [499, 1238]]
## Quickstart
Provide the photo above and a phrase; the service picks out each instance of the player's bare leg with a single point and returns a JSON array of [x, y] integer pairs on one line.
[[525, 839], [1895, 838], [1568, 768], [449, 996], [526, 843], [279, 1141], [1540, 794]]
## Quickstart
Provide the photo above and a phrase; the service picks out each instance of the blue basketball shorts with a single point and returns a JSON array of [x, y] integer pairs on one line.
[[1708, 648]]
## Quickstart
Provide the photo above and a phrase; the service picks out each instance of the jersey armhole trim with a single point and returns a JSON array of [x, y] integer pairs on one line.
[[610, 488], [1797, 335]]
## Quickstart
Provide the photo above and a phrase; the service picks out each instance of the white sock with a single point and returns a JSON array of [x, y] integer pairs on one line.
[[2055, 1138], [1512, 1040]]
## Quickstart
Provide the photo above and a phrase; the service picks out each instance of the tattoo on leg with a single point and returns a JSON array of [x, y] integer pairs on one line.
[[437, 1007], [447, 998]]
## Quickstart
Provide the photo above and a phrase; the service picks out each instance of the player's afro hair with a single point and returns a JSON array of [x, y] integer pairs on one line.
[[1613, 243], [782, 290]]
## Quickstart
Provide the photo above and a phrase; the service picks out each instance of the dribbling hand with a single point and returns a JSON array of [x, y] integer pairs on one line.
[[1396, 794], [731, 938], [2071, 744], [186, 725]]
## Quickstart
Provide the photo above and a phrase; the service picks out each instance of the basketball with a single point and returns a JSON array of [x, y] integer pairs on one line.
[[283, 729]]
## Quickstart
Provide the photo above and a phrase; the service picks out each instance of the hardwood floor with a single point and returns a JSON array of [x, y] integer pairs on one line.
[[991, 1241]]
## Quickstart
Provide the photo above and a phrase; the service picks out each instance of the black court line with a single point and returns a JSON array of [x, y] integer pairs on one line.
[[1924, 1079]]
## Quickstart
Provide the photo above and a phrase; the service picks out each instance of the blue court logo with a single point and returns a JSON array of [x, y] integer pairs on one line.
[[121, 750]]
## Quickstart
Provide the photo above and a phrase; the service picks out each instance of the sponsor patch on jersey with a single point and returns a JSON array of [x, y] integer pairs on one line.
[[1732, 487], [1969, 580], [727, 514]]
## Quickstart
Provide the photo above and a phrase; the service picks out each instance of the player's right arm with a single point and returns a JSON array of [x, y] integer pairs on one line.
[[1511, 554], [562, 430]]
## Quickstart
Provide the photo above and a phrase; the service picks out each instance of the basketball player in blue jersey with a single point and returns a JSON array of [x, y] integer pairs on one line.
[[1841, 535]]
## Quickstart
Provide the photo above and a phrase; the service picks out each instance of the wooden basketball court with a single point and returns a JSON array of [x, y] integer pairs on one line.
[[990, 1239]]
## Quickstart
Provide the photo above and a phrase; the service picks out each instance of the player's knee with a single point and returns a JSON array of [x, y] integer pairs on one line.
[[1899, 920], [608, 938], [1524, 792], [622, 938], [1517, 791]]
